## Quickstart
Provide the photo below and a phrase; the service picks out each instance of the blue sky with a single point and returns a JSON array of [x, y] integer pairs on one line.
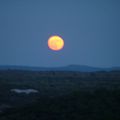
[[90, 29]]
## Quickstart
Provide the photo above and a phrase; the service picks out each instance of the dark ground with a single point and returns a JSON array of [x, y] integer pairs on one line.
[[62, 95]]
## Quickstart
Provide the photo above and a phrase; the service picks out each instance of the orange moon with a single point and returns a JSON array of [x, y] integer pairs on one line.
[[55, 43]]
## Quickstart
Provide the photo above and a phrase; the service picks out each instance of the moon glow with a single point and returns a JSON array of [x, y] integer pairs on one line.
[[55, 43]]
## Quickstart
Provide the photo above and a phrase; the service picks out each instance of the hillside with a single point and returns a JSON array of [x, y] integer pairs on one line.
[[76, 68]]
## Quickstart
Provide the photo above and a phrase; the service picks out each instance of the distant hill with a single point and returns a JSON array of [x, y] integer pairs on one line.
[[79, 68]]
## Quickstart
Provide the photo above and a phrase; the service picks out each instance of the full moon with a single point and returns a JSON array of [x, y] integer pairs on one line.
[[55, 43]]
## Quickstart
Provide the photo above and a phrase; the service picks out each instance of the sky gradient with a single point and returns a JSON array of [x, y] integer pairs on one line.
[[90, 29]]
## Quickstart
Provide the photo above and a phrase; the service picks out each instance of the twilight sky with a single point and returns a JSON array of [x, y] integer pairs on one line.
[[90, 29]]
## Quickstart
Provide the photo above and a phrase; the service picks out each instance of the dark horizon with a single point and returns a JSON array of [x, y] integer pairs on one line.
[[68, 68], [57, 66]]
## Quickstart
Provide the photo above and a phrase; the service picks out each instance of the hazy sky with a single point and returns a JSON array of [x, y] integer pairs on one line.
[[90, 28]]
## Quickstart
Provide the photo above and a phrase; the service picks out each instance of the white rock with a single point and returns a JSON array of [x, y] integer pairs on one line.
[[26, 91]]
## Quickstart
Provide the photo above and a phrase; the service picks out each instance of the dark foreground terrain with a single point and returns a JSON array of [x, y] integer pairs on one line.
[[60, 95]]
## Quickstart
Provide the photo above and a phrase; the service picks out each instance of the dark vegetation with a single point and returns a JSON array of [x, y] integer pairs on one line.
[[62, 95]]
